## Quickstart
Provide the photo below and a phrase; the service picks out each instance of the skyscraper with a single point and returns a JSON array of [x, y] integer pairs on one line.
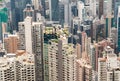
[[48, 35], [43, 8], [54, 10], [93, 7], [62, 65], [31, 40], [36, 4], [17, 7], [100, 8], [80, 7], [118, 28], [67, 12], [116, 8], [84, 69], [107, 7]]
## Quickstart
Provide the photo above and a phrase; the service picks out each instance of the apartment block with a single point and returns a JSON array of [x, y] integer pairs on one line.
[[62, 65], [17, 67], [109, 66]]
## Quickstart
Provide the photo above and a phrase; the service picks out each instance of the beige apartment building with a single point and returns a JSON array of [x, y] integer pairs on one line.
[[61, 59], [17, 67]]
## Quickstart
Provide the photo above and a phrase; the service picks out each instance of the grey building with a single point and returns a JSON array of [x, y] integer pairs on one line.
[[28, 11], [17, 7], [54, 10]]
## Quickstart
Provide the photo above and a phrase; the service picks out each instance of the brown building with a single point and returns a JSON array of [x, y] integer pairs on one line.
[[11, 43]]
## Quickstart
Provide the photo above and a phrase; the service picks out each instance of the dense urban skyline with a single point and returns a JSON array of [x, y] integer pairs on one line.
[[59, 40]]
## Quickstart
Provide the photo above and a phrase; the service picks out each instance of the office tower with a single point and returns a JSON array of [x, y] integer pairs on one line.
[[99, 32], [108, 66], [43, 8], [67, 12], [11, 43], [118, 28], [17, 67], [74, 9], [107, 6], [62, 65], [17, 7], [31, 40], [94, 24], [80, 7], [61, 12], [109, 25], [100, 13], [84, 69], [76, 22], [28, 11], [36, 4], [93, 7], [116, 8], [114, 34], [54, 10]]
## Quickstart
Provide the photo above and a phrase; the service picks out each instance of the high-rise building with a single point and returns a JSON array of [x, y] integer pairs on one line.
[[78, 51], [67, 12], [99, 48], [62, 65], [116, 8], [36, 4], [43, 8], [17, 67], [28, 11], [100, 13], [114, 34], [54, 10], [93, 7], [84, 41], [108, 66], [31, 40], [11, 43], [3, 21], [49, 34], [109, 25], [92, 56], [61, 12], [118, 28], [80, 7], [84, 69], [17, 7], [107, 7]]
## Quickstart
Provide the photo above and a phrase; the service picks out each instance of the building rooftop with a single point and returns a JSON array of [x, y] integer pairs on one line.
[[20, 56], [83, 63]]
